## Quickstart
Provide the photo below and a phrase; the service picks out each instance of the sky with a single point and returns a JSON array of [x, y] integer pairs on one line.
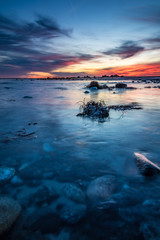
[[67, 38]]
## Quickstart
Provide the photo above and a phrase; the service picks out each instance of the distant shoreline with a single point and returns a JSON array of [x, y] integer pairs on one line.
[[87, 78]]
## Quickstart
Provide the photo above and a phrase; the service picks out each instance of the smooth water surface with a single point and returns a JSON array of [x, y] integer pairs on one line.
[[43, 139]]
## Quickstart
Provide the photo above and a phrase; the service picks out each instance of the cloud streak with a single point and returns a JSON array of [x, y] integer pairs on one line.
[[126, 50], [18, 44]]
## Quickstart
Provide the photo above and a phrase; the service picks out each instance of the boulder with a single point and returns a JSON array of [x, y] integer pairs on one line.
[[94, 84], [121, 85], [72, 213], [100, 189], [74, 193], [9, 212], [145, 166], [69, 211]]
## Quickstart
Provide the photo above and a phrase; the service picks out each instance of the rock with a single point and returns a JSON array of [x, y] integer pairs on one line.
[[27, 235], [94, 84], [43, 196], [16, 181], [9, 212], [43, 221], [100, 189], [27, 97], [30, 173], [6, 174], [48, 175], [93, 88], [47, 147], [70, 212], [150, 230], [121, 85], [74, 193], [145, 166], [131, 88], [86, 92], [104, 86]]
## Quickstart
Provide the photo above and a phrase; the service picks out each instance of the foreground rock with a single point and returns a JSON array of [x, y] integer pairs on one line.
[[69, 211], [100, 189], [6, 174], [74, 193], [9, 212], [121, 85], [145, 166]]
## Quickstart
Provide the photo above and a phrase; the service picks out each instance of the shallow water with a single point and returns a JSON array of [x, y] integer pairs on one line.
[[63, 148]]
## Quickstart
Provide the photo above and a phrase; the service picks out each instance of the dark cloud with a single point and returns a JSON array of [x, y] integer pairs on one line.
[[148, 14], [109, 68], [18, 44], [126, 50], [39, 63], [153, 40], [20, 37], [69, 74], [24, 31], [153, 43]]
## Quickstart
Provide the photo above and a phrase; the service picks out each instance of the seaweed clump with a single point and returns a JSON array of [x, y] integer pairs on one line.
[[94, 109], [100, 110], [130, 106]]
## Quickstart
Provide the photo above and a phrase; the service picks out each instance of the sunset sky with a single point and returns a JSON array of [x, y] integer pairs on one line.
[[59, 38]]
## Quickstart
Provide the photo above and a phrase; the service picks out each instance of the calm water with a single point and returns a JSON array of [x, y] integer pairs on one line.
[[63, 148]]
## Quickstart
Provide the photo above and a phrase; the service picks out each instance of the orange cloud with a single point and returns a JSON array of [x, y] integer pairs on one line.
[[133, 70]]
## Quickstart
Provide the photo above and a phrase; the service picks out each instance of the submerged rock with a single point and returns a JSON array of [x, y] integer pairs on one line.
[[6, 174], [121, 85], [70, 212], [9, 212], [74, 193], [16, 181], [100, 189], [145, 166], [150, 230], [44, 221]]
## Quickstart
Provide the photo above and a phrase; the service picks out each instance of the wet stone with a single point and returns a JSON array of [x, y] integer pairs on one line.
[[121, 85], [6, 174], [70, 212], [86, 92], [100, 189], [16, 181], [74, 193], [9, 212], [43, 195], [27, 97], [150, 230], [31, 172], [44, 222], [145, 166]]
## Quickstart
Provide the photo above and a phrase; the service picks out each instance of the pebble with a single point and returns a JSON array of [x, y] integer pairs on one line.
[[6, 174]]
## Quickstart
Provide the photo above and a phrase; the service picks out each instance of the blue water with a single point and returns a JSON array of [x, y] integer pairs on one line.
[[64, 148]]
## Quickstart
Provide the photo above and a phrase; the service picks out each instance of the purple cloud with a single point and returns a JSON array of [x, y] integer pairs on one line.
[[126, 50]]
